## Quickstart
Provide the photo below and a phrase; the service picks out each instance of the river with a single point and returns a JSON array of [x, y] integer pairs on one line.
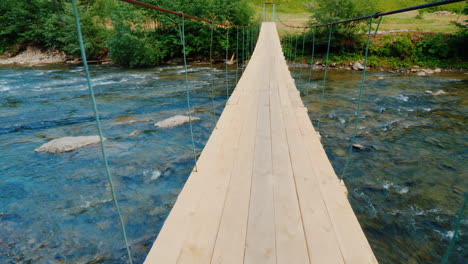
[[405, 188]]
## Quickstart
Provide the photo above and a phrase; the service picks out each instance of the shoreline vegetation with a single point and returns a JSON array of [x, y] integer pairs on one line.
[[134, 37], [36, 57]]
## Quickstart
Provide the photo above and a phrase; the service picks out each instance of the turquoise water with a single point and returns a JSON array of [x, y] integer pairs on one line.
[[405, 189], [408, 184]]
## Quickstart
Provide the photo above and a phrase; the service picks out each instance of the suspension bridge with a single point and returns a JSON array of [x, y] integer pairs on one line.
[[263, 189]]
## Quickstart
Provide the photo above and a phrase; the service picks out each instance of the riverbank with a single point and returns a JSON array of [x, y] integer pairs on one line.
[[33, 56]]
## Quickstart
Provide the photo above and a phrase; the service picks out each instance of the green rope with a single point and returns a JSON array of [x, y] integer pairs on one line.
[[227, 58], [302, 56], [99, 127], [457, 224], [212, 79], [295, 50], [248, 43], [312, 61], [378, 25], [358, 108], [324, 77], [187, 90], [237, 56], [243, 48]]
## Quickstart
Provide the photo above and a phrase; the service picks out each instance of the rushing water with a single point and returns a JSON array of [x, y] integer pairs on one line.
[[57, 209], [408, 183]]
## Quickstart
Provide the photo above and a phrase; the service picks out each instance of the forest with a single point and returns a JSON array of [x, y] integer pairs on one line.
[[133, 36]]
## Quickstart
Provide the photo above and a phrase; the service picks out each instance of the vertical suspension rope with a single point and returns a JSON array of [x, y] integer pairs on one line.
[[212, 79], [312, 61], [458, 219], [99, 128], [295, 50], [248, 43], [187, 91], [237, 56], [324, 77], [302, 56], [227, 58], [243, 48], [358, 107]]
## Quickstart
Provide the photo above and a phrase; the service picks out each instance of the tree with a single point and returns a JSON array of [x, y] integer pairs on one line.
[[328, 11]]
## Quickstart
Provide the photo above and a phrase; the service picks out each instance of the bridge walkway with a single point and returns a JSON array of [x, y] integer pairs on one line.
[[264, 190]]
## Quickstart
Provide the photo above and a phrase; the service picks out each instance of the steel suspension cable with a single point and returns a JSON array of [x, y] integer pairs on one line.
[[324, 77], [181, 14], [379, 14], [187, 90], [99, 128], [358, 107]]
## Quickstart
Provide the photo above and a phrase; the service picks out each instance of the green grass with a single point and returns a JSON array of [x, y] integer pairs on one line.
[[294, 12]]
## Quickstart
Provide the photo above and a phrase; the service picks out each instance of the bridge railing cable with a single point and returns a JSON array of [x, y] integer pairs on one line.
[[378, 14], [180, 14]]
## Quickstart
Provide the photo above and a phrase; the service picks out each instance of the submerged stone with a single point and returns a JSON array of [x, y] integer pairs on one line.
[[67, 144], [359, 147], [439, 92], [175, 121]]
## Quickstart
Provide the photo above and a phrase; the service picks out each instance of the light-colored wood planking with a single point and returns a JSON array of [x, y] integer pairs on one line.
[[265, 191], [291, 244]]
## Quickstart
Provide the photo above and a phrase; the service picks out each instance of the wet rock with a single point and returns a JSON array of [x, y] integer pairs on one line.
[[360, 147], [438, 93], [67, 144], [437, 70], [421, 73], [358, 66], [175, 121], [428, 71], [380, 78], [134, 133], [130, 122]]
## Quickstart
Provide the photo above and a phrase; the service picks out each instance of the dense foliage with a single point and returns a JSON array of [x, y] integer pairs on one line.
[[132, 36]]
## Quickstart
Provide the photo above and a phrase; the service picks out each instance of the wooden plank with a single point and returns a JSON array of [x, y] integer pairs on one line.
[[230, 243], [291, 244], [168, 244], [203, 227], [353, 243], [260, 241]]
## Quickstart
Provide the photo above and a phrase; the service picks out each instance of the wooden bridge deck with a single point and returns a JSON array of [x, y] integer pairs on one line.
[[265, 191]]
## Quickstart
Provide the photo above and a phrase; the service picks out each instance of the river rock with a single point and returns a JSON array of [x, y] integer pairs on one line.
[[175, 121], [360, 147], [438, 93], [428, 71], [67, 144], [358, 66], [421, 73], [437, 70], [134, 133]]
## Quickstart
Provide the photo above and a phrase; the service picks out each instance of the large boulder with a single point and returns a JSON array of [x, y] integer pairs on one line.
[[67, 144], [175, 121], [358, 66]]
